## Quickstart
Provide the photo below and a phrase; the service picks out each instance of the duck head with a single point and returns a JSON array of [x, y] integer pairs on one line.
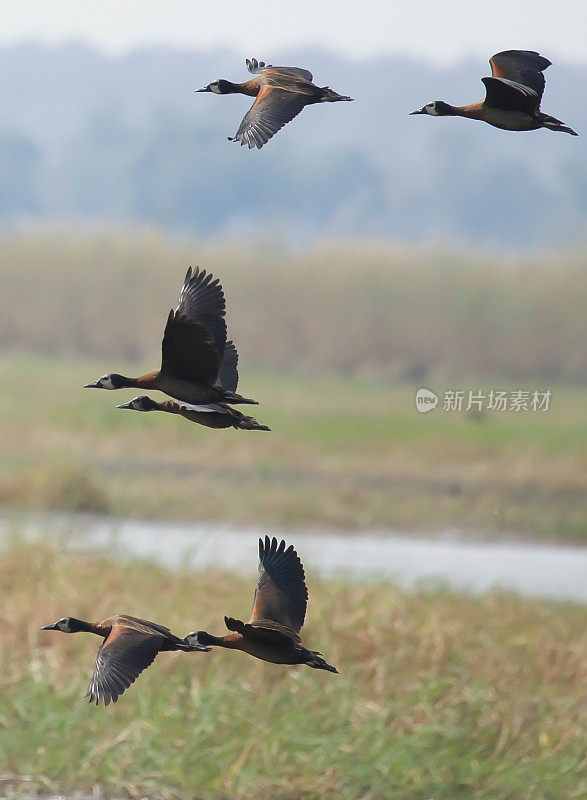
[[67, 625], [201, 638], [112, 381], [219, 86], [142, 403], [437, 108]]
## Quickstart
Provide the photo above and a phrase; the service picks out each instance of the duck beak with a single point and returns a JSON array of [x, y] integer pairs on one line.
[[53, 627], [203, 89], [126, 406], [95, 385], [419, 111]]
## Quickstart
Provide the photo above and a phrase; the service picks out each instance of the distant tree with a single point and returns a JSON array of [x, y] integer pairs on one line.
[[19, 170]]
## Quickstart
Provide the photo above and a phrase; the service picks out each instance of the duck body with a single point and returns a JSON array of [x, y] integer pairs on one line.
[[212, 415], [507, 120], [280, 94], [130, 645], [261, 646], [277, 616], [513, 95], [198, 364]]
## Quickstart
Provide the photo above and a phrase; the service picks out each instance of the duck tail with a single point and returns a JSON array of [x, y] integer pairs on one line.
[[330, 96], [234, 399], [312, 658], [250, 424], [554, 124]]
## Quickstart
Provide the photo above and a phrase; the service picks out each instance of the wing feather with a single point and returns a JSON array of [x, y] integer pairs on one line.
[[521, 66], [228, 375], [272, 109], [281, 595], [121, 659], [195, 333], [510, 96], [260, 68]]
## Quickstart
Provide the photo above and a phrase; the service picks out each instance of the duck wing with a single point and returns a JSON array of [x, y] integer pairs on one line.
[[202, 300], [521, 66], [195, 333], [228, 376], [281, 595], [273, 108], [125, 653], [510, 96], [263, 630], [137, 624], [261, 68]]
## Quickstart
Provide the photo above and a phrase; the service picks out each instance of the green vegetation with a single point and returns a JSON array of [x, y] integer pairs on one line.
[[333, 343], [342, 453], [440, 695]]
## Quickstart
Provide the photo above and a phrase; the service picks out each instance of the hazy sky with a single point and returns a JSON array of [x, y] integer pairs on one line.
[[427, 28]]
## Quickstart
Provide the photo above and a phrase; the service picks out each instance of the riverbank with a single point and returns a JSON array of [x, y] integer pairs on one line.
[[451, 558]]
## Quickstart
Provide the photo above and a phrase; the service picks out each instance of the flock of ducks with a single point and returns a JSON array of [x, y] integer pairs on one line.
[[272, 632], [199, 372], [199, 367], [512, 97]]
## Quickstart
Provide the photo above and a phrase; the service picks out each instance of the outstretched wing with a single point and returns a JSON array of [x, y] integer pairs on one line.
[[260, 67], [121, 659], [510, 96], [521, 66], [202, 300], [195, 334], [272, 109], [228, 376], [281, 595]]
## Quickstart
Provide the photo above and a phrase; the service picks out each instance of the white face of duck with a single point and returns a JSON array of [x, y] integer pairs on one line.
[[433, 109], [141, 403], [112, 381], [64, 624]]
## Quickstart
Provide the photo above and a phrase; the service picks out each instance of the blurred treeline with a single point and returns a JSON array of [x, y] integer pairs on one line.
[[352, 308]]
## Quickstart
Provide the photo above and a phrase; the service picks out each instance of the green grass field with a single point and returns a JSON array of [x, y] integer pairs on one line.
[[440, 696], [343, 452]]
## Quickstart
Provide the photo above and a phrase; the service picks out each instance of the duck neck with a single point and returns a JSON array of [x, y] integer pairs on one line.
[[79, 625], [471, 111], [128, 383], [451, 111], [208, 639], [146, 381], [250, 88]]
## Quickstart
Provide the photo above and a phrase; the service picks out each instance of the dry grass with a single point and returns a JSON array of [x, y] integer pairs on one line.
[[351, 308], [440, 695]]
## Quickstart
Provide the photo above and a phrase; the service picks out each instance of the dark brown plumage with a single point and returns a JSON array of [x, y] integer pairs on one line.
[[213, 415], [130, 645], [198, 365], [278, 613], [280, 94], [512, 95]]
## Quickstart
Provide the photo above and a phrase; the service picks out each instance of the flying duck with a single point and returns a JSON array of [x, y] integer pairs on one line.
[[277, 616], [512, 95], [280, 94], [198, 365], [214, 415], [130, 646]]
